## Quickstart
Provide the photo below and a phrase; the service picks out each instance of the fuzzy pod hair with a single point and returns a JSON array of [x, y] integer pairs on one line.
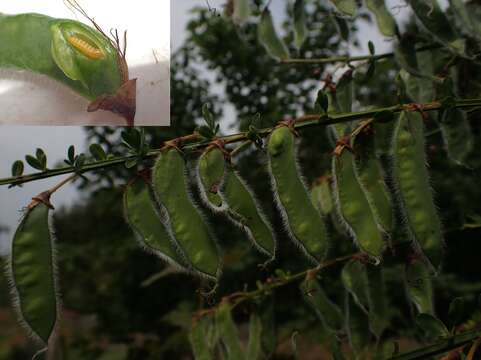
[[370, 175], [190, 230], [147, 220], [68, 51], [32, 272], [354, 209], [223, 190], [419, 286], [302, 220], [413, 189]]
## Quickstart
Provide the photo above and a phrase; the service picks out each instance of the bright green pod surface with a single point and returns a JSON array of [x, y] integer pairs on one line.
[[419, 286], [354, 208], [42, 44], [384, 18], [328, 312], [322, 196], [302, 219], [190, 232], [32, 263], [269, 38], [143, 217], [371, 178], [223, 189], [210, 172], [414, 191]]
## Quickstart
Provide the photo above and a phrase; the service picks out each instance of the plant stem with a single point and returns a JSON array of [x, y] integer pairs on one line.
[[237, 298], [192, 141], [440, 347], [349, 59]]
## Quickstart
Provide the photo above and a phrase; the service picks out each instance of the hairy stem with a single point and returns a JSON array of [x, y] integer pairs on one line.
[[192, 142]]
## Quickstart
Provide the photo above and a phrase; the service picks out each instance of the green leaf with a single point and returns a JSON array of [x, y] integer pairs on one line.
[[79, 161], [242, 11], [322, 102], [33, 162], [71, 154], [372, 49], [384, 19], [131, 163], [456, 311], [269, 38], [208, 116], [300, 27], [255, 331], [432, 328], [97, 152], [17, 168], [347, 7]]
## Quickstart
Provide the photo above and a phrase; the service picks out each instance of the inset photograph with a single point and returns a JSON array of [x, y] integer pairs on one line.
[[85, 63]]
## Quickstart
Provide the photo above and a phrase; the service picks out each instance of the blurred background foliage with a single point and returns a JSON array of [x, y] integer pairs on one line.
[[121, 303]]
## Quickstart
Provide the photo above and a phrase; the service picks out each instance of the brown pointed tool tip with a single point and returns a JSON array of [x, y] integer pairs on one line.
[[122, 103]]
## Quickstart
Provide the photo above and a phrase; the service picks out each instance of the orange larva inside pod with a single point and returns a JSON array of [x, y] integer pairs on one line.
[[89, 50]]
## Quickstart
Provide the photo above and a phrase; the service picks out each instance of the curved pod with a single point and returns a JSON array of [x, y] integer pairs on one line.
[[33, 273], [189, 229], [302, 219]]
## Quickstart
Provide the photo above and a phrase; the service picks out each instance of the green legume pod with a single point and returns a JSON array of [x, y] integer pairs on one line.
[[414, 191], [43, 44], [269, 38], [327, 311], [33, 273], [303, 221], [347, 7], [354, 208], [357, 329], [371, 178], [321, 196], [199, 340], [145, 218], [384, 19], [377, 297], [254, 349], [223, 190], [210, 172], [228, 333], [189, 229], [242, 11], [419, 286], [457, 135], [354, 279]]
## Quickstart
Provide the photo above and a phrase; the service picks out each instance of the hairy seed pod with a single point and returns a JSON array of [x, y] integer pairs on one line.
[[254, 350], [189, 229], [223, 190], [414, 191], [357, 328], [328, 312], [33, 273], [354, 208], [371, 178], [199, 339], [147, 219], [419, 286], [302, 219], [321, 195], [457, 134], [377, 298]]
